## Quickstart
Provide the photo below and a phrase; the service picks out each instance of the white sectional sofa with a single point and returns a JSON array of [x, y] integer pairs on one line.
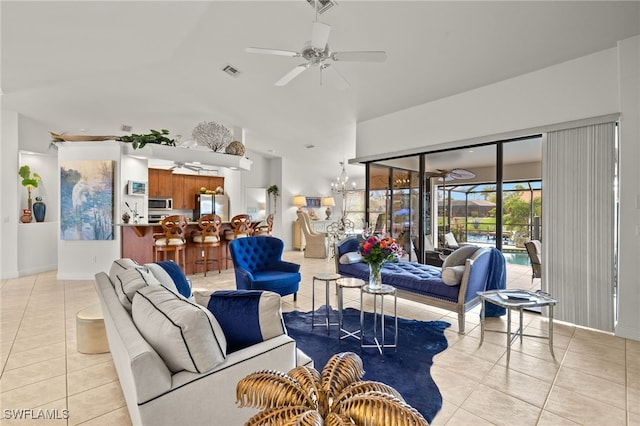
[[157, 396]]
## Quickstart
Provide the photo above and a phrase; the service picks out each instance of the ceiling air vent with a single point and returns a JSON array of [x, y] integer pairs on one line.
[[231, 70], [323, 5]]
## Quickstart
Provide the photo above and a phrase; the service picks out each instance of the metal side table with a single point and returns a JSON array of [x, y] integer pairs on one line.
[[385, 290], [343, 283], [516, 299], [327, 278]]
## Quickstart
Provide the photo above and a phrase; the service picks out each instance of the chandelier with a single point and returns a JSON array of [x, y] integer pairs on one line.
[[341, 183]]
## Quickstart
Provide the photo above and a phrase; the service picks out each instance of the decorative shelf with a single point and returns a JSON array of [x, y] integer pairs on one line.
[[189, 155]]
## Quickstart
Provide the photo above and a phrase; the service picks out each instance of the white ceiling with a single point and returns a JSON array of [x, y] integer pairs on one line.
[[97, 65]]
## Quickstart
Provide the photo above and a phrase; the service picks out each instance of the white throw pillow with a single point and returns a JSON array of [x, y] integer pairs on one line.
[[185, 334], [459, 256], [452, 275], [121, 265], [129, 281], [350, 257]]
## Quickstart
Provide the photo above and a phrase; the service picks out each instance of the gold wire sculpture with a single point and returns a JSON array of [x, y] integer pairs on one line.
[[335, 397]]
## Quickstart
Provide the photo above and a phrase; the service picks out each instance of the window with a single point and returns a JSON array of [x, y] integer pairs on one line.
[[354, 208]]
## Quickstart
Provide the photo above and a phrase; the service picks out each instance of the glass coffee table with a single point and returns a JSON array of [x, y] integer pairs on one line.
[[517, 299]]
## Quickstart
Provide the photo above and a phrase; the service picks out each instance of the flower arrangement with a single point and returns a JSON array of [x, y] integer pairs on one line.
[[377, 250]]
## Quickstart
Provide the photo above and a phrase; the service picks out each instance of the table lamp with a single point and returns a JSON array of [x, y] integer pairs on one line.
[[328, 202], [299, 201]]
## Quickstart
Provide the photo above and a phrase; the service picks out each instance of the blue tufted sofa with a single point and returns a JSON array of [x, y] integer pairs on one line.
[[423, 283], [258, 265]]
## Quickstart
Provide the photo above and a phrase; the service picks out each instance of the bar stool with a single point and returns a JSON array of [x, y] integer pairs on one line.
[[171, 239], [264, 229], [327, 278], [206, 238], [240, 228]]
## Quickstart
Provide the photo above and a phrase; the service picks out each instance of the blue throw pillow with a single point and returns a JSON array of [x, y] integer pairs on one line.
[[170, 275], [247, 317]]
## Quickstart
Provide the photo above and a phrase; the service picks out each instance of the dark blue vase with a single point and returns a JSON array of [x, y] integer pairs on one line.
[[39, 209]]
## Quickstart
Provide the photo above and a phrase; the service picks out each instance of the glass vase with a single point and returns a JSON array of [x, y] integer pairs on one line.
[[375, 278]]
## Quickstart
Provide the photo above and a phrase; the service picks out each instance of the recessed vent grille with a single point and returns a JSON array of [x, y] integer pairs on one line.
[[323, 5], [231, 70]]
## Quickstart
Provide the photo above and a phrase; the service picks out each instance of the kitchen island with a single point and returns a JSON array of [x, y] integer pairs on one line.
[[137, 244]]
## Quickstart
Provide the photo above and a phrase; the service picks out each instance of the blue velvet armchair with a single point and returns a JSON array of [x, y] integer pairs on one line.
[[258, 265]]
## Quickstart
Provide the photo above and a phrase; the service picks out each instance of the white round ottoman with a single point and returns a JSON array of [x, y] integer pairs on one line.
[[91, 336]]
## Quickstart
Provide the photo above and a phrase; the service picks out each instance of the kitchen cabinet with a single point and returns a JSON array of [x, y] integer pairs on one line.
[[178, 195], [190, 189], [182, 188], [160, 183]]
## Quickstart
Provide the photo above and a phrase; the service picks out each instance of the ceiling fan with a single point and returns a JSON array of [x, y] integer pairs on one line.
[[453, 174], [192, 167], [317, 53]]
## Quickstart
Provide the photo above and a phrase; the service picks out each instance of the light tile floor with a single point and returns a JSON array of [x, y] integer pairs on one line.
[[595, 378]]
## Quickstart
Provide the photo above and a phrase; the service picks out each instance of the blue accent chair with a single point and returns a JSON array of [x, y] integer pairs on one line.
[[258, 265]]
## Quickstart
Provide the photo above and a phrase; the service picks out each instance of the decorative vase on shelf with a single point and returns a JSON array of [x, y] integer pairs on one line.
[[39, 209], [26, 216], [375, 276]]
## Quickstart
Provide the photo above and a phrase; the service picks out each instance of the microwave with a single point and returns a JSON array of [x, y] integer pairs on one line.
[[160, 203]]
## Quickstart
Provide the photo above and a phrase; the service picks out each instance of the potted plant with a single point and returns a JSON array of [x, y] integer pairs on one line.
[[274, 192], [29, 181], [139, 141]]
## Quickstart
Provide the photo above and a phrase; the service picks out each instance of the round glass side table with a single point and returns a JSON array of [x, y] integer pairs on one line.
[[342, 283], [385, 290], [327, 278]]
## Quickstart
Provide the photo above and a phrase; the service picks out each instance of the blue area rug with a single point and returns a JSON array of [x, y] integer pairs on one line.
[[407, 368]]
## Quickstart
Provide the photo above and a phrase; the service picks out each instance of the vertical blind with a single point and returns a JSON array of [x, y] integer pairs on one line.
[[579, 223]]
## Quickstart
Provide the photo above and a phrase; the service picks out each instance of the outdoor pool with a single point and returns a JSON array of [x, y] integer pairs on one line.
[[516, 257]]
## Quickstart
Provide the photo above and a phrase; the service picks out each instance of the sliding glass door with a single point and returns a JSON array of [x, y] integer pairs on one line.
[[487, 195]]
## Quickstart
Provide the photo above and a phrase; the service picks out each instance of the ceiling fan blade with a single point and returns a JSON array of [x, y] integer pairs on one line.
[[320, 35], [462, 174], [336, 78], [271, 51], [292, 74], [366, 56]]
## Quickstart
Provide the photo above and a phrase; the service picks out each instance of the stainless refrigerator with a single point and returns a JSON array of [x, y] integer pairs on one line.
[[212, 204]]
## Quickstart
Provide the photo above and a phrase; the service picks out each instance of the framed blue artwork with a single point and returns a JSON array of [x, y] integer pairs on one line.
[[86, 199]]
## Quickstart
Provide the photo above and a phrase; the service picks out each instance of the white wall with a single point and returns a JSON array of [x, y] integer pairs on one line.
[[629, 267], [131, 168], [585, 87], [81, 260], [8, 204], [599, 84]]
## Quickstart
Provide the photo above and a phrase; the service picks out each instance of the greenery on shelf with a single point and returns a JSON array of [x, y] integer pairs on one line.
[[29, 181], [274, 192], [139, 141]]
